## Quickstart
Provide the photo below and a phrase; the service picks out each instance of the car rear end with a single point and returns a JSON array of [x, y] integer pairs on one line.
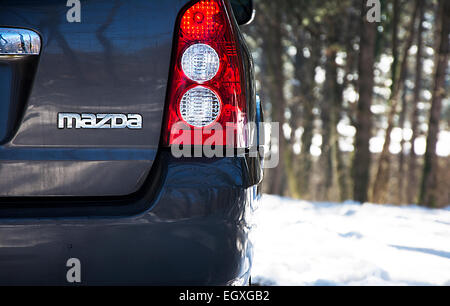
[[102, 119]]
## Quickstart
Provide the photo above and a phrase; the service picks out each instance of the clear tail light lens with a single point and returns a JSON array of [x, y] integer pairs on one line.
[[200, 107], [206, 86], [200, 63]]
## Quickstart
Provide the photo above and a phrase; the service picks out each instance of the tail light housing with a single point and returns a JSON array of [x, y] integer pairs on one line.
[[206, 90]]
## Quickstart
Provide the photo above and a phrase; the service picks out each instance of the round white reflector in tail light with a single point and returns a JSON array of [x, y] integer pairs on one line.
[[200, 106], [200, 62]]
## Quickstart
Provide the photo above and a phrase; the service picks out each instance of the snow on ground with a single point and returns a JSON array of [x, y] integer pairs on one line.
[[303, 243]]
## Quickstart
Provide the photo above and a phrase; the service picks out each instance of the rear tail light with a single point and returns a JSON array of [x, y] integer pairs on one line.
[[200, 63], [206, 88], [200, 107]]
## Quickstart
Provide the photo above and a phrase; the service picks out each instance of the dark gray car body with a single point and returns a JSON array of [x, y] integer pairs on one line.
[[114, 199]]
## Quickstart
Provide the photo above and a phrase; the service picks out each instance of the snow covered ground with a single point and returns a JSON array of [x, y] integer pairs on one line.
[[303, 243]]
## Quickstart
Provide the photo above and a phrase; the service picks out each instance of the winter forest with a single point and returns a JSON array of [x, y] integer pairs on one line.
[[363, 103]]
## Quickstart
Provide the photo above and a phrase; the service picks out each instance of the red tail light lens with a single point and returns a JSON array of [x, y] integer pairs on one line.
[[206, 86], [200, 21]]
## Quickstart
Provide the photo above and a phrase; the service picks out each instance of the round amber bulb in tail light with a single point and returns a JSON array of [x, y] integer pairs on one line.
[[200, 107], [200, 63]]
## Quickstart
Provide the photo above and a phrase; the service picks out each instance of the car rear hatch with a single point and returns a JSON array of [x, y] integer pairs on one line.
[[115, 61]]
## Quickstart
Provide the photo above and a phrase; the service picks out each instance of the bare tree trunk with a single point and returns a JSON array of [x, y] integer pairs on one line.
[[274, 80], [428, 190], [412, 163], [404, 102], [306, 162], [329, 134], [380, 188], [401, 167], [395, 41], [341, 169], [306, 66], [326, 157], [362, 158], [336, 97], [291, 159], [278, 107], [291, 171]]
